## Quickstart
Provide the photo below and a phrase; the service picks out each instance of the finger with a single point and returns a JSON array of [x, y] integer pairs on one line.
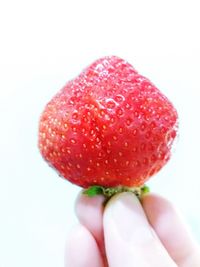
[[82, 250], [90, 213], [171, 230], [129, 239]]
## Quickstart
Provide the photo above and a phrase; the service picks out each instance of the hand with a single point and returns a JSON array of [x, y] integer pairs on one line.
[[129, 233]]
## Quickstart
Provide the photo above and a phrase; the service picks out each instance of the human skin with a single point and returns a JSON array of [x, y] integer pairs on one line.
[[128, 232]]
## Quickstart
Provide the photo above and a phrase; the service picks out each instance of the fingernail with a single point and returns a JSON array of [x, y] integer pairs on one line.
[[125, 215]]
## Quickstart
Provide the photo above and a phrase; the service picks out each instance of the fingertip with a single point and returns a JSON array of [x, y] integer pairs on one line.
[[154, 204], [155, 198], [124, 213], [92, 206], [123, 197], [91, 203]]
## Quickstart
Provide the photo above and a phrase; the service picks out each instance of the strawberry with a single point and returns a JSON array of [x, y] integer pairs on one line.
[[110, 127]]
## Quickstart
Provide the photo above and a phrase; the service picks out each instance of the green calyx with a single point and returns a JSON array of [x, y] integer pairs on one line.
[[108, 192]]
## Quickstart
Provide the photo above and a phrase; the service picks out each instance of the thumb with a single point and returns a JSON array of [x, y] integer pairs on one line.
[[129, 238]]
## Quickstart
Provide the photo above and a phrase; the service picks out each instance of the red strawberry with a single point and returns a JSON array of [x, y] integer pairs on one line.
[[110, 126]]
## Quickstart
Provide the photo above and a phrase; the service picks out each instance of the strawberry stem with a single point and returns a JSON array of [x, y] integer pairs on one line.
[[108, 192]]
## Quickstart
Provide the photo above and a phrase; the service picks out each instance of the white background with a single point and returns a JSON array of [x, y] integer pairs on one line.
[[45, 43]]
